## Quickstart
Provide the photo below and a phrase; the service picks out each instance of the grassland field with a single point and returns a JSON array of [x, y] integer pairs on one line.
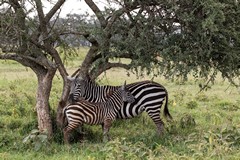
[[206, 125]]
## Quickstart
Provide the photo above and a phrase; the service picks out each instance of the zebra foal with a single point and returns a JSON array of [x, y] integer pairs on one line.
[[149, 97], [84, 112]]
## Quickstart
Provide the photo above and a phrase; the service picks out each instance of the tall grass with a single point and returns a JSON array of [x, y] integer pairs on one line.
[[205, 126]]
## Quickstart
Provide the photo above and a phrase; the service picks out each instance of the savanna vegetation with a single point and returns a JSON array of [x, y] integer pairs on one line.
[[188, 46], [205, 126]]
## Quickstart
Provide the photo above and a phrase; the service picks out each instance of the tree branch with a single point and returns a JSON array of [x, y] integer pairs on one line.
[[97, 12], [21, 24], [115, 15], [55, 8], [23, 60], [10, 56], [118, 13], [8, 49], [121, 55], [85, 34], [96, 71], [46, 38], [40, 13]]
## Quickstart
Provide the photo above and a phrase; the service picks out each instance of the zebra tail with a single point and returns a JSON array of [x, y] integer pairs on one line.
[[166, 111]]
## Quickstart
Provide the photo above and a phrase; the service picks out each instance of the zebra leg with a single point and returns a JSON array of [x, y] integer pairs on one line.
[[68, 129], [106, 126], [160, 127], [80, 133], [155, 116], [66, 132]]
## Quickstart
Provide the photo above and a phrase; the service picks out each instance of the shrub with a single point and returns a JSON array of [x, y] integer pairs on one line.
[[216, 143], [14, 124], [192, 104], [179, 95], [36, 139], [229, 106], [9, 139], [202, 97], [28, 126], [213, 118], [187, 121]]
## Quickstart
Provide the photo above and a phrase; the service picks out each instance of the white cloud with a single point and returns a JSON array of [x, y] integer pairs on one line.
[[75, 6]]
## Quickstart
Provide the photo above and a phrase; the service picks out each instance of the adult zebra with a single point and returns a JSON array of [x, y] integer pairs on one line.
[[149, 97], [85, 112]]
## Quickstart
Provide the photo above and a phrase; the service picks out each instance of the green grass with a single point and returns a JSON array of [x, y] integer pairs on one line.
[[205, 126]]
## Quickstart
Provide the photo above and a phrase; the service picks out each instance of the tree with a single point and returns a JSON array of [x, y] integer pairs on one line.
[[169, 38], [30, 41]]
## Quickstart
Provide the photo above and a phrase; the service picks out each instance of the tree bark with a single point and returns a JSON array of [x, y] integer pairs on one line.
[[42, 105]]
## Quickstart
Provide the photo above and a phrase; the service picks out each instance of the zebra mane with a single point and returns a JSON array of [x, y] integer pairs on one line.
[[88, 87]]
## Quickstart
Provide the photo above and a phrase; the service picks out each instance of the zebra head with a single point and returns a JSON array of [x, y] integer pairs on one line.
[[126, 94], [77, 89]]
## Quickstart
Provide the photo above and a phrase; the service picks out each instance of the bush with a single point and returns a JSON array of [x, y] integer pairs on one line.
[[14, 124], [192, 104], [179, 96], [28, 126], [37, 140], [9, 140], [202, 97], [187, 121], [229, 106]]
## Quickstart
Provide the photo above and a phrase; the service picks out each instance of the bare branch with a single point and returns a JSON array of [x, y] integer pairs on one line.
[[121, 55], [115, 15], [41, 16], [55, 8], [232, 81], [8, 49], [85, 34], [20, 18], [10, 56], [95, 72], [118, 13], [75, 73], [23, 60], [97, 12]]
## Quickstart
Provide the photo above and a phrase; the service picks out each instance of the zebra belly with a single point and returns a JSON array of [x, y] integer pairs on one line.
[[129, 111], [133, 110]]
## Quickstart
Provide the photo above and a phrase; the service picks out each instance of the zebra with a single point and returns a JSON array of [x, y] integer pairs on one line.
[[149, 97], [85, 112]]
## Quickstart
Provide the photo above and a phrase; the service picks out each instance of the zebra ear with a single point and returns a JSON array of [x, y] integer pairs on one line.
[[70, 78], [123, 86], [80, 77]]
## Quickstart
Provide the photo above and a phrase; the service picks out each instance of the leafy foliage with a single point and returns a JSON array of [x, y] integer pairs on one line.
[[36, 139], [175, 38]]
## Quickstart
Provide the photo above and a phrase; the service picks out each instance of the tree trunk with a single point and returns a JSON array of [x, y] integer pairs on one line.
[[64, 98], [42, 106], [62, 103]]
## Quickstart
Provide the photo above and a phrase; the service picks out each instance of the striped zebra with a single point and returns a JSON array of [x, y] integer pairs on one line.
[[85, 112], [149, 97]]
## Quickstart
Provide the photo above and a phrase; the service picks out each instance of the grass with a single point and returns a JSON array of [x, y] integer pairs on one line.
[[205, 126]]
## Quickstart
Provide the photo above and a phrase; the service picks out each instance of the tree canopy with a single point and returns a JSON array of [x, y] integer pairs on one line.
[[171, 38]]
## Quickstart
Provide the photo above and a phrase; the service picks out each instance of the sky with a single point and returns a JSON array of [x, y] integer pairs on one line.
[[69, 7], [74, 6]]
